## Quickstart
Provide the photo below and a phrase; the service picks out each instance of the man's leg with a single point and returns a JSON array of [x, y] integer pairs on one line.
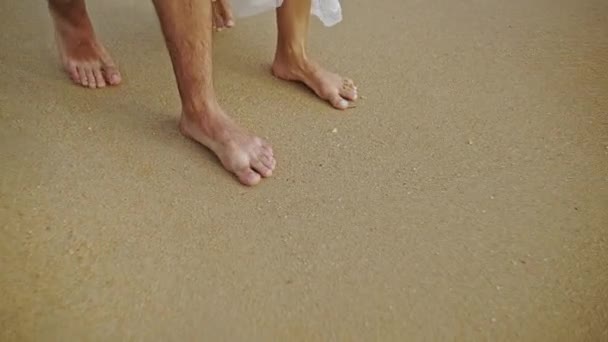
[[187, 28], [83, 56], [291, 62]]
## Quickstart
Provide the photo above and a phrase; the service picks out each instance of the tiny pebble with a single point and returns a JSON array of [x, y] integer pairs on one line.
[[90, 128], [335, 130], [470, 142], [493, 320]]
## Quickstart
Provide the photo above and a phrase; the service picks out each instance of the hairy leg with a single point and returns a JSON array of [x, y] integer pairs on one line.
[[187, 28]]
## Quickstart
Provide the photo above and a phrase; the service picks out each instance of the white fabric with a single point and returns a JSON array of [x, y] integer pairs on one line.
[[328, 11]]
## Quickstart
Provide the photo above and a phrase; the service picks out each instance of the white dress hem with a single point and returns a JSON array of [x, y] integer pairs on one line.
[[328, 11]]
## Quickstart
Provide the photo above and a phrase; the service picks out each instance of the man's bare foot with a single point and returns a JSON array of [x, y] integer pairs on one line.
[[248, 157], [84, 58], [222, 15], [334, 88]]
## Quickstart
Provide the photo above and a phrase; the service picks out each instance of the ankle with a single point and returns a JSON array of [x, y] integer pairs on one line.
[[291, 54], [194, 106], [292, 65], [209, 118], [71, 16]]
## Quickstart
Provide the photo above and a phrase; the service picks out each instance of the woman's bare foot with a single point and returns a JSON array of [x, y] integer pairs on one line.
[[84, 58], [222, 15], [248, 157], [337, 90]]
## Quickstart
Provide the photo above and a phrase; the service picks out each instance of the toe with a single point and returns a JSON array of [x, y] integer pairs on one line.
[[338, 102], [265, 156], [348, 93], [111, 74], [348, 82], [90, 77], [73, 72], [268, 161], [218, 21], [266, 148], [248, 177], [262, 169], [227, 13], [82, 76], [99, 78]]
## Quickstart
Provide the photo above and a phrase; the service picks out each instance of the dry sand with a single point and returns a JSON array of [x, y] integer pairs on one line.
[[465, 198]]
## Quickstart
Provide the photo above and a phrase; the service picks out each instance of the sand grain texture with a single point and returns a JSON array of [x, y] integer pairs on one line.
[[464, 198]]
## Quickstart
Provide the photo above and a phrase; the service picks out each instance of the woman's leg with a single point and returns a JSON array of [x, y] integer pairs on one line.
[[292, 63], [222, 14]]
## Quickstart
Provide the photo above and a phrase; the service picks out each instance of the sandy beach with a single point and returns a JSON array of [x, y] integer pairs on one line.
[[465, 198]]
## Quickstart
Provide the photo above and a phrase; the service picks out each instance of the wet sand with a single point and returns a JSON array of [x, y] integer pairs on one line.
[[464, 198]]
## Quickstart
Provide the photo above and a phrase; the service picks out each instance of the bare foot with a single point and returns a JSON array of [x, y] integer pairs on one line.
[[222, 15], [84, 58], [334, 88], [248, 157]]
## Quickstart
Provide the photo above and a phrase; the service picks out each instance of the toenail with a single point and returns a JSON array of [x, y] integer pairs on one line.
[[343, 103]]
